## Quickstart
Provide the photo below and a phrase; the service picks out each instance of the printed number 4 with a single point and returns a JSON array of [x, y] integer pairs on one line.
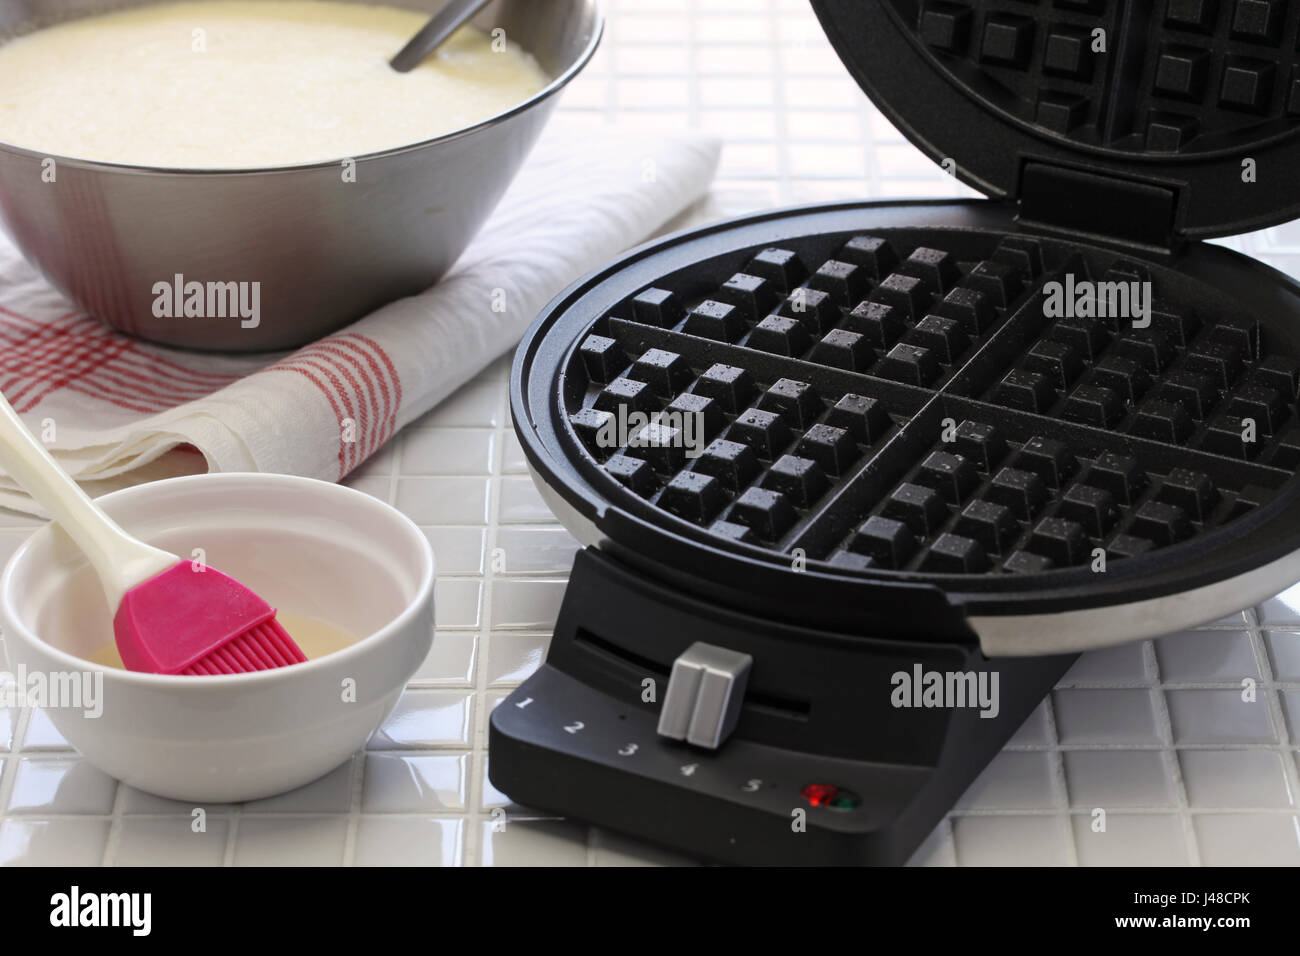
[[689, 769]]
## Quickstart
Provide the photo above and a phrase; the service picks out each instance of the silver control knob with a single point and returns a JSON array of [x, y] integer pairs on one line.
[[705, 690]]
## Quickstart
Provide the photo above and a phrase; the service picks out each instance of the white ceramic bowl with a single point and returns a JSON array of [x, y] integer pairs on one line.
[[308, 547]]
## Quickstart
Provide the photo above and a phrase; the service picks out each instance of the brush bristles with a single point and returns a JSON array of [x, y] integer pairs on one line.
[[266, 646]]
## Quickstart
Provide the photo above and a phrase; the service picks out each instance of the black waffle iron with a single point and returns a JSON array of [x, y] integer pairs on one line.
[[925, 470]]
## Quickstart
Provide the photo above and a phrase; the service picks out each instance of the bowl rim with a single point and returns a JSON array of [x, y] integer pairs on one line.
[[15, 627], [551, 89]]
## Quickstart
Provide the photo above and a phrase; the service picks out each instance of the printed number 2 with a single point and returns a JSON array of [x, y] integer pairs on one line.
[[574, 727], [627, 750]]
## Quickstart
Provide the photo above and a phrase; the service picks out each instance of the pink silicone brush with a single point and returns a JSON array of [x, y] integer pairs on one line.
[[169, 616]]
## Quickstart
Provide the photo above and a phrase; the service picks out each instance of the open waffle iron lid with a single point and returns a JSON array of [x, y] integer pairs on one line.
[[1095, 114], [862, 434]]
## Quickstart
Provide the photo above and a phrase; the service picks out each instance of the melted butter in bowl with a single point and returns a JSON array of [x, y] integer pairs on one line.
[[316, 638], [239, 84]]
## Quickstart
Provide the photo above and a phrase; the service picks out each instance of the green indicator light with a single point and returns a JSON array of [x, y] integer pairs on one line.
[[846, 800]]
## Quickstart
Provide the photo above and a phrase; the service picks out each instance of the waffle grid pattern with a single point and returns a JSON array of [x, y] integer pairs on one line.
[[1197, 74], [910, 407]]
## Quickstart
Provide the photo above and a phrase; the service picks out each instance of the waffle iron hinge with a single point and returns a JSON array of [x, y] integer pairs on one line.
[[1084, 204]]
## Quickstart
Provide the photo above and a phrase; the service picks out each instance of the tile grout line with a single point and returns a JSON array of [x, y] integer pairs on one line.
[[114, 837], [1173, 766], [358, 777], [693, 106], [610, 93], [13, 761], [1134, 810], [476, 768], [232, 834], [781, 126], [1060, 784], [1276, 712], [356, 781]]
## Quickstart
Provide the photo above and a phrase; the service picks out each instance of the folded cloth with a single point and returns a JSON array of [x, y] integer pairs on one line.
[[116, 411]]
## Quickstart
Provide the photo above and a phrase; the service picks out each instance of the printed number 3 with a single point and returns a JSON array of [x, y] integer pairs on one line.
[[627, 750]]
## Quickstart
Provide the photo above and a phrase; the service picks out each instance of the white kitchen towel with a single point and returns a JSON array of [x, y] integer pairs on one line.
[[116, 411]]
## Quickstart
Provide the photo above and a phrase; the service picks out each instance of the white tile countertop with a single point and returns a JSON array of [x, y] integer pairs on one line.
[[1156, 732]]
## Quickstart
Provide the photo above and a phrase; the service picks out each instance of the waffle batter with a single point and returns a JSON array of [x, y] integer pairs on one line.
[[234, 84]]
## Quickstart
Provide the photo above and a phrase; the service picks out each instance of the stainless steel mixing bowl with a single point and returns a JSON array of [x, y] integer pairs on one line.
[[324, 251]]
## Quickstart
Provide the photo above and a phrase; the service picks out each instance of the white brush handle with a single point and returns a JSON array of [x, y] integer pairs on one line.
[[120, 560]]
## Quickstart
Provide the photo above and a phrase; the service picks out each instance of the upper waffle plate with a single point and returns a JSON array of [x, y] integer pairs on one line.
[[1168, 75], [1175, 95]]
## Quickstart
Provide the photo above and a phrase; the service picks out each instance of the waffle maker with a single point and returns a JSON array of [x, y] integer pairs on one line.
[[924, 466]]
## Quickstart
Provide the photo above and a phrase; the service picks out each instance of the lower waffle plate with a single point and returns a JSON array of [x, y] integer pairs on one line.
[[921, 393]]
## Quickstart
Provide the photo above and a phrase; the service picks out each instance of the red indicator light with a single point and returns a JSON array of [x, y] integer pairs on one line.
[[820, 794]]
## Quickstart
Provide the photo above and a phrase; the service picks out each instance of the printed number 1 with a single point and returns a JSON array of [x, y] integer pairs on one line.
[[524, 703]]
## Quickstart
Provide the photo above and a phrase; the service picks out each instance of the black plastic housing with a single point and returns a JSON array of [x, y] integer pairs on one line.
[[579, 736]]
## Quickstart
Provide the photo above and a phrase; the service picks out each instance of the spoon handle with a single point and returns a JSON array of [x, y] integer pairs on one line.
[[442, 25]]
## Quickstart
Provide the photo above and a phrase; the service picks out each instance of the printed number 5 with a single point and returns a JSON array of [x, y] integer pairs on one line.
[[627, 750], [574, 727]]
